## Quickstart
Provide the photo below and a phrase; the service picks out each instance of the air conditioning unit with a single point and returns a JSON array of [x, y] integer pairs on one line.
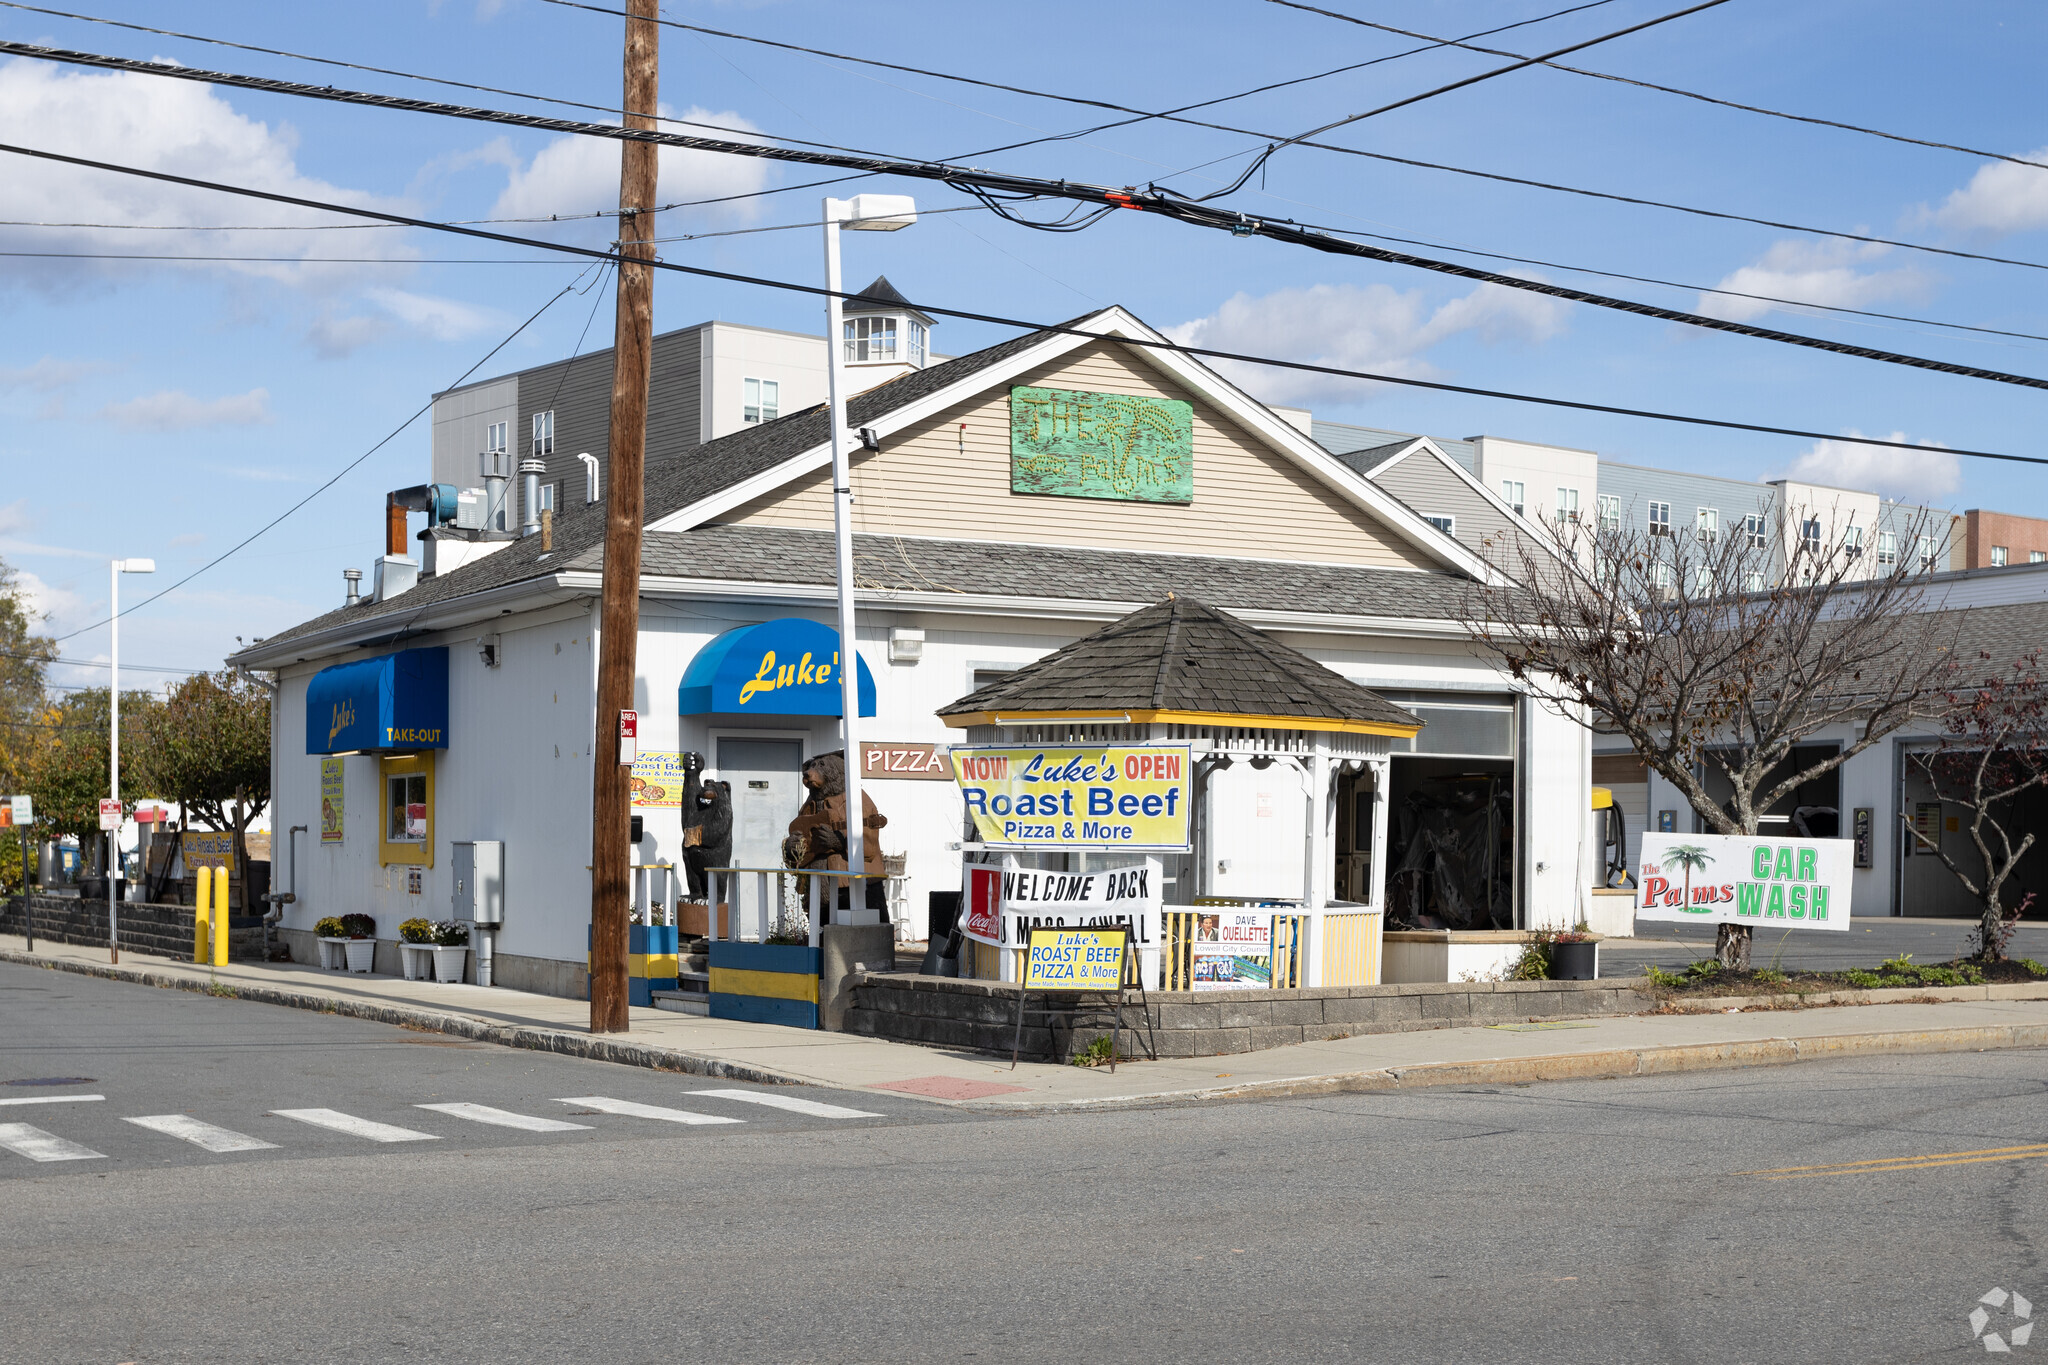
[[469, 509]]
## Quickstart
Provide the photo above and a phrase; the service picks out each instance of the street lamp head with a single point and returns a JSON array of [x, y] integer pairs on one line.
[[135, 565], [878, 212]]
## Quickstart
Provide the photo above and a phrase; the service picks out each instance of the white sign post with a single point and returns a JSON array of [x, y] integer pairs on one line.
[[1757, 880]]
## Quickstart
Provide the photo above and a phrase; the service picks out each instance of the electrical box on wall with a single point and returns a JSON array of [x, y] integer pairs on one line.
[[479, 873]]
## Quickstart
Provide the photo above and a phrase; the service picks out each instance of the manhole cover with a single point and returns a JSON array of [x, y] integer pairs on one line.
[[54, 1080]]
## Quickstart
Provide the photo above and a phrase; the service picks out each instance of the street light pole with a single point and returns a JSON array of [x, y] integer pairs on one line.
[[866, 213], [119, 567]]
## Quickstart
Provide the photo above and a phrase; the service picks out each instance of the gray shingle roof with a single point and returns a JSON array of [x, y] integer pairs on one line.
[[1182, 655], [1366, 461]]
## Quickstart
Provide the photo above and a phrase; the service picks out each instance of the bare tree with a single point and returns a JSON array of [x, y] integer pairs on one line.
[[1995, 750], [1722, 649]]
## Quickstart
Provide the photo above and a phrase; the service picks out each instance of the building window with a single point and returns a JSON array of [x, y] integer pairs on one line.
[[2037, 556], [408, 828], [1610, 512], [763, 400], [1567, 504], [1661, 578], [870, 339], [1511, 494], [1998, 556], [543, 434], [1707, 524], [1660, 518], [1448, 525], [1887, 549], [917, 343], [1753, 530], [1927, 554], [498, 437], [1753, 580], [547, 497], [496, 460], [1852, 542], [1809, 535]]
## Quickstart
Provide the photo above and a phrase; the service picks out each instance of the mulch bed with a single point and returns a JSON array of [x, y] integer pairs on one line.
[[1703, 979]]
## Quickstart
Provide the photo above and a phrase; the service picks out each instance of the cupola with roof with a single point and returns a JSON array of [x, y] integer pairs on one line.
[[883, 335]]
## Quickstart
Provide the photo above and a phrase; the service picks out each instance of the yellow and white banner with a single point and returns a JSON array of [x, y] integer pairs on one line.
[[1029, 796]]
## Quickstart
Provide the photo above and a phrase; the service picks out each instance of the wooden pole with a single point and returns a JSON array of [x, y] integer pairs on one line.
[[619, 628]]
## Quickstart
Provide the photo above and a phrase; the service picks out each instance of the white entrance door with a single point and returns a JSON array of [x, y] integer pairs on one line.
[[767, 788]]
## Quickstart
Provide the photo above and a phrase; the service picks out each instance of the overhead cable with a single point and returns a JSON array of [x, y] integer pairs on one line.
[[388, 438], [1664, 89], [991, 188], [878, 165], [1062, 329]]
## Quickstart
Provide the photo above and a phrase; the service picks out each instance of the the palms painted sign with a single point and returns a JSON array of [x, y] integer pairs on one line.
[[1124, 446], [1755, 880]]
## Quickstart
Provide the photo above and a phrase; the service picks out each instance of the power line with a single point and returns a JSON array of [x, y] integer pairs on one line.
[[276, 260], [98, 663], [1001, 321], [338, 474], [1666, 89], [990, 187]]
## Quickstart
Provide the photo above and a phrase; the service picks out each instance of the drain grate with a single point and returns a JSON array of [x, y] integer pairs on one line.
[[54, 1080]]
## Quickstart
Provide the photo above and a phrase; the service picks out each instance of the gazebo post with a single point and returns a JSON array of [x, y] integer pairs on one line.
[[1382, 801], [1314, 899]]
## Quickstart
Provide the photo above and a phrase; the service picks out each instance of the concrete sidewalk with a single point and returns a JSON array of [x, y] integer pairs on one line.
[[1985, 1017]]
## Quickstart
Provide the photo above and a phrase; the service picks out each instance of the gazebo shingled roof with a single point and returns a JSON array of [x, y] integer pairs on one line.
[[1181, 661]]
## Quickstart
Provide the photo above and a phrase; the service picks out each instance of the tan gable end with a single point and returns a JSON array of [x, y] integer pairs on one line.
[[946, 480]]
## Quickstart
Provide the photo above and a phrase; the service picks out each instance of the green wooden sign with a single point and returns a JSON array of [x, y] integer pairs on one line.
[[1070, 444]]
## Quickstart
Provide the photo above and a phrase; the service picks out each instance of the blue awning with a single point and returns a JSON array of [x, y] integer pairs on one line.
[[785, 667], [394, 704]]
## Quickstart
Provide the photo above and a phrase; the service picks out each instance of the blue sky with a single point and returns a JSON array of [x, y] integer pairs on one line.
[[166, 409]]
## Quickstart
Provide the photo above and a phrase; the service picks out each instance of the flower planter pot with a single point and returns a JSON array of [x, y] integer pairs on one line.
[[334, 954], [362, 954], [1574, 961], [449, 962], [416, 961]]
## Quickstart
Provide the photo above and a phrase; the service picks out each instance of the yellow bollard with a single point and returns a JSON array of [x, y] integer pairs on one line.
[[220, 917], [202, 915]]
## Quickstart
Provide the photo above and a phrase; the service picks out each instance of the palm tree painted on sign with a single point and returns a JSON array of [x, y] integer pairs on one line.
[[1689, 857]]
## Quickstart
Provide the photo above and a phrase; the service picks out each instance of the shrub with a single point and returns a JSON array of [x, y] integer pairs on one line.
[[359, 926], [331, 927], [416, 930]]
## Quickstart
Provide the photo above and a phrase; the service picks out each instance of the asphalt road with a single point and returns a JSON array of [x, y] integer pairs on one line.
[[1612, 1221], [1865, 943]]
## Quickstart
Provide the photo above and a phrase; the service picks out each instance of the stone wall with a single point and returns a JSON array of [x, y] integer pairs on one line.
[[947, 1012], [159, 930]]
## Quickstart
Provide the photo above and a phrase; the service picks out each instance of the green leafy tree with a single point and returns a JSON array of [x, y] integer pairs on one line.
[[24, 660], [66, 770], [1691, 857], [207, 747]]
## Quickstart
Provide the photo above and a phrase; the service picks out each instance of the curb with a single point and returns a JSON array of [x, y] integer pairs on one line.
[[533, 1039], [1614, 1064]]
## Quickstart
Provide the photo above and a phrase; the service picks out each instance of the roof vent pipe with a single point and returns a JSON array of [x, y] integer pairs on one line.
[[529, 478], [589, 476], [354, 579]]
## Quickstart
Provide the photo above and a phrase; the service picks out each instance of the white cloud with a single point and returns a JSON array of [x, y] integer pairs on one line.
[[1825, 272], [47, 375], [440, 318], [162, 125], [581, 174], [335, 338], [186, 538], [1368, 327], [46, 602], [1925, 475], [176, 410], [2001, 197]]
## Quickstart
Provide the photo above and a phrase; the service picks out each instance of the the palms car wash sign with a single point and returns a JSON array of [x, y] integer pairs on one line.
[[1027, 796], [1745, 879]]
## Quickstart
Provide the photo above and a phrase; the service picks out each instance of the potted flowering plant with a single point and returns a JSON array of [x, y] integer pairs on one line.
[[333, 935], [451, 950], [416, 949], [1574, 955], [361, 948]]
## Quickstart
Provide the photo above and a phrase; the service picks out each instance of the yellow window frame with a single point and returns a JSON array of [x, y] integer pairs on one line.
[[402, 852]]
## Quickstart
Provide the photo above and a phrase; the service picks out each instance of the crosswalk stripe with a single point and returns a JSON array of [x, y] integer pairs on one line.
[[483, 1113], [199, 1133], [54, 1099], [789, 1102], [37, 1145], [645, 1111], [355, 1127]]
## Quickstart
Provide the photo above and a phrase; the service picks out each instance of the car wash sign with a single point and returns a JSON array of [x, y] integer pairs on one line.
[[1027, 796], [1745, 879]]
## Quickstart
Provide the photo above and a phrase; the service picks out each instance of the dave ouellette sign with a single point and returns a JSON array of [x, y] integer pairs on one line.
[[1027, 796], [1745, 879]]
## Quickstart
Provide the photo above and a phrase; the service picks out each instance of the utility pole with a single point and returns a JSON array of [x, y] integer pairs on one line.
[[619, 627]]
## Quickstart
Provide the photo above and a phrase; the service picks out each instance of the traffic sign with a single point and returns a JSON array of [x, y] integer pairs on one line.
[[24, 809], [110, 813]]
